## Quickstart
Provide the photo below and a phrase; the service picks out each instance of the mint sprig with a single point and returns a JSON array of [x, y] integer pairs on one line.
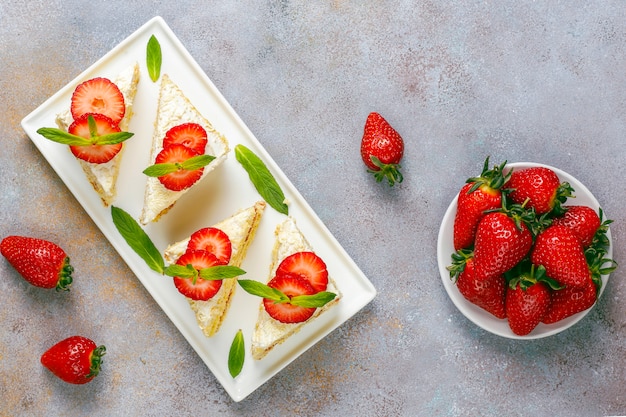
[[153, 58], [264, 291], [65, 138], [137, 239], [191, 164], [213, 273], [262, 179]]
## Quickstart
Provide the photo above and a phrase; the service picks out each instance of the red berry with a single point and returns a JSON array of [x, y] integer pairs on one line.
[[478, 195], [308, 266], [75, 360], [212, 240], [192, 135], [541, 187], [582, 220], [382, 149], [560, 252], [98, 95], [569, 301], [500, 244], [181, 178], [525, 307], [40, 262], [95, 154], [197, 288], [486, 292], [291, 285]]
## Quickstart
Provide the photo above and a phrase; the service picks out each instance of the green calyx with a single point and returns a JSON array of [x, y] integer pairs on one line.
[[562, 193], [459, 260], [521, 215], [390, 172], [595, 254], [526, 274], [600, 239], [95, 361], [493, 178], [65, 276]]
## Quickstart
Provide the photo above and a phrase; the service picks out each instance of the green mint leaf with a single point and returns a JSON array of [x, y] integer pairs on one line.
[[236, 355], [197, 162], [153, 58], [112, 138], [93, 128], [193, 163], [262, 178], [315, 300], [182, 271], [137, 239], [159, 170], [261, 290], [221, 272], [62, 137]]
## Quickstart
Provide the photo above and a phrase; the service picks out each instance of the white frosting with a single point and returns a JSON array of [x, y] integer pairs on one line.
[[104, 176], [174, 109], [268, 331]]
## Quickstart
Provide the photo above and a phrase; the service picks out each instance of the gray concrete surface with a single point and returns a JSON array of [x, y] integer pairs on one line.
[[517, 80]]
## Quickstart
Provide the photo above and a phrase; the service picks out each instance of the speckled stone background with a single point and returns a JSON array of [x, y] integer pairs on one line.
[[517, 80]]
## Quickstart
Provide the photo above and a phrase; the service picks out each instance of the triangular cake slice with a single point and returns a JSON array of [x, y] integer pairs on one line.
[[240, 228], [103, 177], [174, 108], [268, 332]]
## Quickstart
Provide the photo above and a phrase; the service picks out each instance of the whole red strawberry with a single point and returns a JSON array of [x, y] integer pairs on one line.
[[582, 220], [559, 250], [75, 360], [569, 301], [42, 263], [478, 195], [526, 306], [382, 149], [539, 188], [502, 241], [487, 293]]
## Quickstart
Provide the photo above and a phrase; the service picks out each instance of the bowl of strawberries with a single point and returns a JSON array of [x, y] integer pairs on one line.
[[524, 250]]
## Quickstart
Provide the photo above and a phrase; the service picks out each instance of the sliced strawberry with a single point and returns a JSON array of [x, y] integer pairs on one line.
[[192, 135], [307, 265], [98, 95], [291, 285], [182, 178], [214, 240], [201, 289], [96, 154]]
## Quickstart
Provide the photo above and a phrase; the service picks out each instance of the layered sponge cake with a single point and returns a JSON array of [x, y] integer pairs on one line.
[[181, 132], [240, 228], [99, 94]]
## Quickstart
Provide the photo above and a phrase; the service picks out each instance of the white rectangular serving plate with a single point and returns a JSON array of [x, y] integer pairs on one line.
[[219, 195]]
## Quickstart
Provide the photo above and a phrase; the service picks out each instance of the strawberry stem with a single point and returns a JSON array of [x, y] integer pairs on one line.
[[391, 172], [96, 361], [65, 276], [493, 178]]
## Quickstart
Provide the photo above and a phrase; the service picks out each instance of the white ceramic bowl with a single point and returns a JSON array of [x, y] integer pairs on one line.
[[477, 315]]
